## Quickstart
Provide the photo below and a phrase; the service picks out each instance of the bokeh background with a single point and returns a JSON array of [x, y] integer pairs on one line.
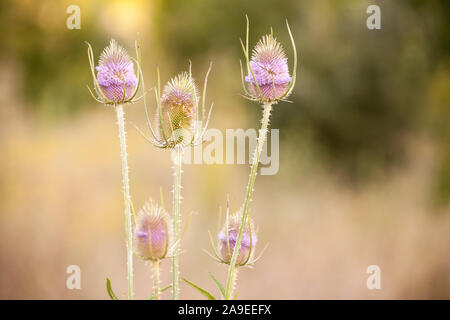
[[364, 153]]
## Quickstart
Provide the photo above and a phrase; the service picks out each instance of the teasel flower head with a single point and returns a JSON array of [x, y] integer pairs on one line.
[[269, 64], [151, 236], [226, 241], [178, 101], [115, 81], [178, 120], [268, 79]]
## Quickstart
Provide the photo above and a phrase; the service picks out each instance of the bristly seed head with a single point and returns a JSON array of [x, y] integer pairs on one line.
[[270, 68], [178, 106], [249, 240], [115, 73], [151, 233]]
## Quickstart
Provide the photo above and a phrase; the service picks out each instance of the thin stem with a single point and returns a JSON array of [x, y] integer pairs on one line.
[[156, 279], [126, 195], [251, 182], [233, 284], [176, 219]]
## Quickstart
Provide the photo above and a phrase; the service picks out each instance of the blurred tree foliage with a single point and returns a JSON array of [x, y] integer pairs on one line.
[[437, 109], [359, 93], [51, 59]]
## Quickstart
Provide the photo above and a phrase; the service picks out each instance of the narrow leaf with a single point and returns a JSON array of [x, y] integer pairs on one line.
[[111, 293], [222, 291], [160, 291], [208, 295]]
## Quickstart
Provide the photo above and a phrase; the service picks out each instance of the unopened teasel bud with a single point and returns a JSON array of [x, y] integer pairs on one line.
[[151, 232], [249, 240]]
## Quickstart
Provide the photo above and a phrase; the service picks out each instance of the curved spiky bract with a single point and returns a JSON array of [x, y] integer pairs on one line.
[[179, 102], [151, 233]]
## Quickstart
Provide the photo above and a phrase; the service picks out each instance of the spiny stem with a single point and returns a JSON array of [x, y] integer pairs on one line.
[[233, 284], [176, 219], [156, 279], [127, 200], [232, 270]]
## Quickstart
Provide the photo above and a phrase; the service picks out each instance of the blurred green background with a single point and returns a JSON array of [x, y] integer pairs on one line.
[[364, 153]]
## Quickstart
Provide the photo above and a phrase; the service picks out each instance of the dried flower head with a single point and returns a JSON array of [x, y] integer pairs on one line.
[[115, 81], [270, 68], [151, 233], [178, 104], [226, 243]]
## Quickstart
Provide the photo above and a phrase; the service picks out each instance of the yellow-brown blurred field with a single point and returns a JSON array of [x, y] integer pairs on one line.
[[354, 189]]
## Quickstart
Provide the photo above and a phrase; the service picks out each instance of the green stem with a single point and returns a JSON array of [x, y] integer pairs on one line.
[[126, 195], [230, 294], [176, 219], [156, 279], [232, 269]]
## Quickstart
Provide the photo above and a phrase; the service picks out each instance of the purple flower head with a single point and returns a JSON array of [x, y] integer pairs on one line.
[[115, 74], [178, 104], [270, 69], [151, 233], [249, 240]]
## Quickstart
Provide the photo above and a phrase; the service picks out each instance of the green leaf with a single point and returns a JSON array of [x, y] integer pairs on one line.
[[111, 293], [222, 291], [208, 295], [162, 290]]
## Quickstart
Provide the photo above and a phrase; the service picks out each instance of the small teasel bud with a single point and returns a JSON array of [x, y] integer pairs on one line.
[[225, 245], [151, 233], [115, 74], [270, 71], [178, 106]]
